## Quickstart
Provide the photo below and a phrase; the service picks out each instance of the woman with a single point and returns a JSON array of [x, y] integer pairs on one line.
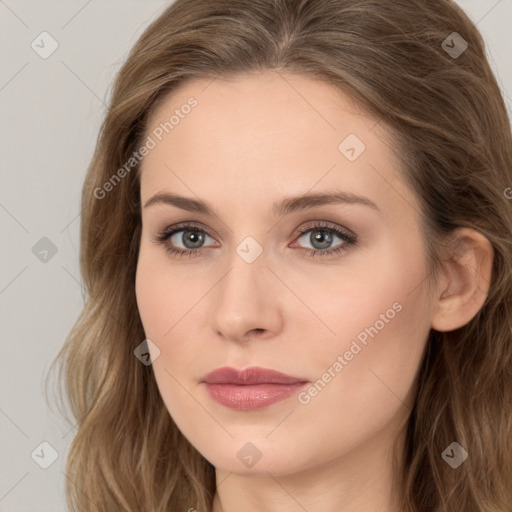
[[296, 240]]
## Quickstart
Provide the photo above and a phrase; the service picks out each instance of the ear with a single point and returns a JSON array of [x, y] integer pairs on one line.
[[464, 281]]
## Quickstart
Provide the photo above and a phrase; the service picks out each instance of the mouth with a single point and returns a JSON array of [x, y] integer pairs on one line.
[[251, 388]]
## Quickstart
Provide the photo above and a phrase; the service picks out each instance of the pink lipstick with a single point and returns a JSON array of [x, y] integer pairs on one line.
[[252, 388]]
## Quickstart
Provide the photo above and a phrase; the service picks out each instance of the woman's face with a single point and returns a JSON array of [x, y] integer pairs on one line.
[[342, 307]]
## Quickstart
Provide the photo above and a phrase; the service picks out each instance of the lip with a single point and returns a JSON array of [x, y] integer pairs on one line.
[[250, 388]]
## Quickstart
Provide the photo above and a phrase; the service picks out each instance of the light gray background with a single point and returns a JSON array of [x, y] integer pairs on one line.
[[50, 113]]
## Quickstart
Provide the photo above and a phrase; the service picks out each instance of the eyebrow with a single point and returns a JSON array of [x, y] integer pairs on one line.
[[284, 207]]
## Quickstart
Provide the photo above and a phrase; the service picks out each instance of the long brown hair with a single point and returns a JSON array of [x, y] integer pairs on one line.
[[451, 129]]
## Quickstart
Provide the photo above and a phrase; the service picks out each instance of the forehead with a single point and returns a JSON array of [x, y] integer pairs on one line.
[[262, 135]]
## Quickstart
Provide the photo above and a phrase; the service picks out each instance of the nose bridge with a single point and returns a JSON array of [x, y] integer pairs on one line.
[[245, 299], [246, 278]]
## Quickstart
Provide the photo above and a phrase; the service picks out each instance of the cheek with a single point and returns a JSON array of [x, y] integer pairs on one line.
[[381, 322], [163, 296], [173, 314], [364, 374], [163, 302]]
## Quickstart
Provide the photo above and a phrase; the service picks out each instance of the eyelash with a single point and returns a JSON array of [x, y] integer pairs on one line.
[[348, 239]]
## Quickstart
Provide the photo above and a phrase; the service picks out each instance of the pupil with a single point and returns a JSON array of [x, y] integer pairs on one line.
[[195, 239], [321, 236]]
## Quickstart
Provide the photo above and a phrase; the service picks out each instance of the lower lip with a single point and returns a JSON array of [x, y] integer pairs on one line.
[[250, 397]]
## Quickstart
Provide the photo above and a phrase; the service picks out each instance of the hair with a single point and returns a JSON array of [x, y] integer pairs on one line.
[[450, 128]]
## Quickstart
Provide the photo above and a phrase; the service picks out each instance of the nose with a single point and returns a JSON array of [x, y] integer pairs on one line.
[[246, 302]]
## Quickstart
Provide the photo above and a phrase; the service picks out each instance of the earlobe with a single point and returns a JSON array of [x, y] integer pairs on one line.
[[465, 281]]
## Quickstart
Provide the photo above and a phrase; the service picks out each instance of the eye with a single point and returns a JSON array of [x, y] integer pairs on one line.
[[189, 236], [321, 236]]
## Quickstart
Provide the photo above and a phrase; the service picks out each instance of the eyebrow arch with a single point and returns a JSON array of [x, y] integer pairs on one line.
[[284, 207]]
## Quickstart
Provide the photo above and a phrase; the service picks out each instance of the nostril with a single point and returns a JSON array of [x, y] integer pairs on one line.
[[254, 333]]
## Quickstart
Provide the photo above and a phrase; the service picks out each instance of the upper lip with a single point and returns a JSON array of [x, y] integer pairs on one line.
[[248, 376]]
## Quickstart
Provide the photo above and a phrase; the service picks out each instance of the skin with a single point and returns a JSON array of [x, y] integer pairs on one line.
[[250, 142]]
